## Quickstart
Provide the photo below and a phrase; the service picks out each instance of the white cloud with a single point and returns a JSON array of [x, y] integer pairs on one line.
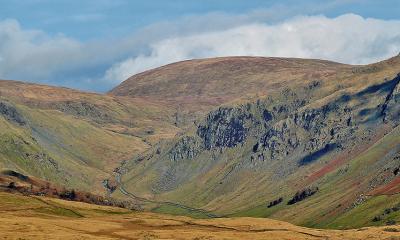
[[348, 38], [34, 53]]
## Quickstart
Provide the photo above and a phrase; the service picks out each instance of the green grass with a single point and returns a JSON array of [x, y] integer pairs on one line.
[[173, 210], [363, 214], [85, 153], [359, 168]]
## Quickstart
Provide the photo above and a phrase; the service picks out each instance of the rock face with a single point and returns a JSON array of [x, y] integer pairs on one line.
[[335, 129], [271, 140], [10, 113], [311, 130], [186, 148], [281, 130], [224, 128], [84, 109], [391, 107]]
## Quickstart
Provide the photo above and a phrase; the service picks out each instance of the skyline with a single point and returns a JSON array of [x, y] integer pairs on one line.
[[94, 45]]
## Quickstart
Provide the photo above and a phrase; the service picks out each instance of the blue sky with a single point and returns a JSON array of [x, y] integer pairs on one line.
[[95, 44], [89, 19]]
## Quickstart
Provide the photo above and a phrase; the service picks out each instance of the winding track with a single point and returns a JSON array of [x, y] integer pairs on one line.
[[142, 199]]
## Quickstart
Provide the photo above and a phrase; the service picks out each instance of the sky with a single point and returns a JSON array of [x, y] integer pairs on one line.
[[94, 45]]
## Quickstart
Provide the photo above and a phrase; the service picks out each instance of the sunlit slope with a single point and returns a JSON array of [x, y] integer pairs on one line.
[[74, 138], [333, 140], [43, 218], [305, 141], [197, 86], [149, 120]]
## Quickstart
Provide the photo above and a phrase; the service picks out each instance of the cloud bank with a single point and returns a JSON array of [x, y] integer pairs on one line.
[[348, 39], [34, 55]]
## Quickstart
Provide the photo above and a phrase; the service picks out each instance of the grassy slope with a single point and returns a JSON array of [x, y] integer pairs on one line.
[[80, 130], [25, 217], [362, 214], [254, 189], [319, 210], [74, 138], [87, 134], [231, 80], [197, 86]]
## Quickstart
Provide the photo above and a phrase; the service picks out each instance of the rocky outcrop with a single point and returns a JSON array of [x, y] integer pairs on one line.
[[10, 112], [281, 130], [289, 131], [308, 130], [84, 109], [186, 148], [109, 185], [44, 160], [280, 140], [277, 134], [391, 107], [224, 128]]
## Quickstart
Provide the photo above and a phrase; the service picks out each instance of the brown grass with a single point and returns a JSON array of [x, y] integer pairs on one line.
[[100, 222]]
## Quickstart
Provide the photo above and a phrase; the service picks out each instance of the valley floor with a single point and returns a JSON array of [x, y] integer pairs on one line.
[[23, 217]]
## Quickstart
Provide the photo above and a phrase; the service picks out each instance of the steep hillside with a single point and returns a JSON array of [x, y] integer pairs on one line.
[[313, 143], [24, 217], [74, 138], [310, 142], [195, 87]]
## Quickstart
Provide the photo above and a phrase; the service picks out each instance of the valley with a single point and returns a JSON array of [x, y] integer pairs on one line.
[[210, 148]]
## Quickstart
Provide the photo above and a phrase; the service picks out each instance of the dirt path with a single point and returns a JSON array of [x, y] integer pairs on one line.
[[142, 199]]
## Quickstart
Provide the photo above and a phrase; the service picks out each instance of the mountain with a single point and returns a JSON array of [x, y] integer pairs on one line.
[[311, 142], [195, 87], [74, 138]]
